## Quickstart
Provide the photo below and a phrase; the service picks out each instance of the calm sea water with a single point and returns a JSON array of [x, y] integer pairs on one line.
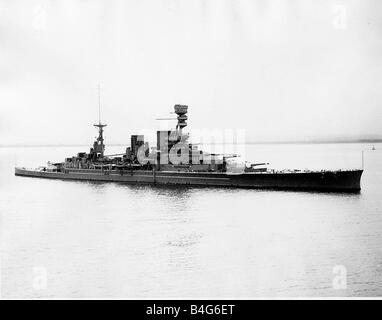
[[67, 239]]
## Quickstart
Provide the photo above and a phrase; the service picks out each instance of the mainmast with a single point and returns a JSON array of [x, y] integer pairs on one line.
[[99, 146]]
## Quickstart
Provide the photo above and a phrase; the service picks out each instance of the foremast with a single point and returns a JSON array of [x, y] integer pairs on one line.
[[99, 146]]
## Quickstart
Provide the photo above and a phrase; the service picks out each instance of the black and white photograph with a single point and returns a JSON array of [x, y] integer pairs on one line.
[[190, 150]]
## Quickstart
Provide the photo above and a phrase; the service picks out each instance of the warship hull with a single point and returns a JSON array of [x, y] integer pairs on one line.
[[333, 181]]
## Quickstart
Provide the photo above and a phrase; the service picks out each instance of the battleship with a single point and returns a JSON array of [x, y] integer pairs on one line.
[[176, 161]]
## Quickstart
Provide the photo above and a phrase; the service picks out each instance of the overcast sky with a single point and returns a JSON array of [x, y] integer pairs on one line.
[[281, 70]]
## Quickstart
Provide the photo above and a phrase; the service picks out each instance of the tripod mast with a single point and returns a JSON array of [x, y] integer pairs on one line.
[[99, 146]]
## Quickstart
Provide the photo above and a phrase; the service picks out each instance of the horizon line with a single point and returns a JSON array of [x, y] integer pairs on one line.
[[312, 141]]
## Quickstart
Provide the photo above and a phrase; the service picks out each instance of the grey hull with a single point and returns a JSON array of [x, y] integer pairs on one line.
[[340, 181]]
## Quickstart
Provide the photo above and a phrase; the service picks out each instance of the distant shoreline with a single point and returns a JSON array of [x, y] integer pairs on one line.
[[250, 142], [319, 141]]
